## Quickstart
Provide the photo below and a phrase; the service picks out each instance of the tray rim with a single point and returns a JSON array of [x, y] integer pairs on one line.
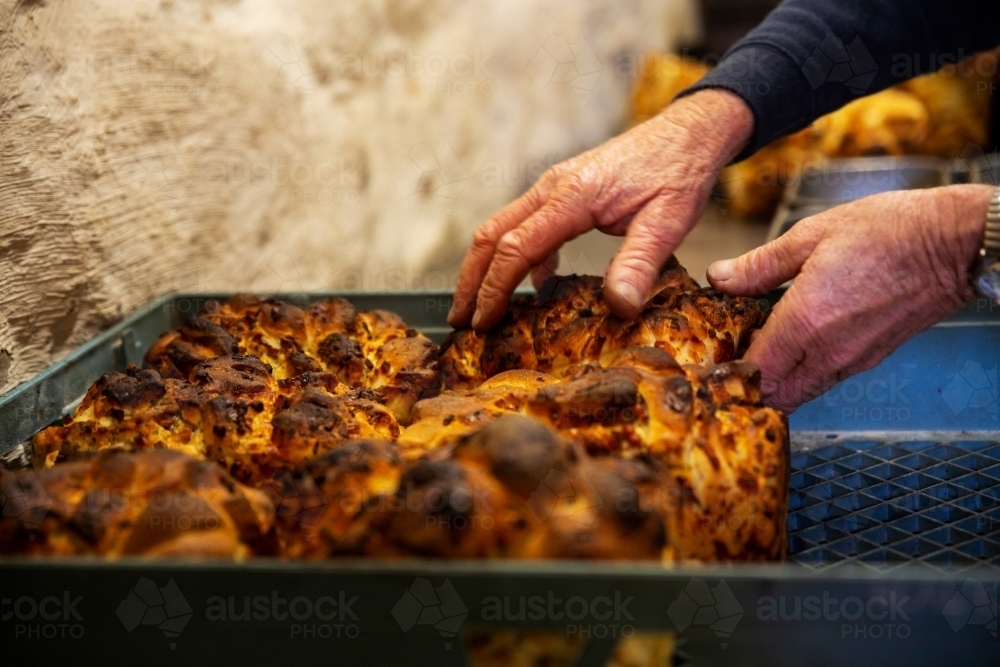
[[641, 570]]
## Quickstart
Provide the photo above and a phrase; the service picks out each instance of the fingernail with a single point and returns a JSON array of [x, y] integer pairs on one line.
[[476, 319], [630, 293], [722, 270]]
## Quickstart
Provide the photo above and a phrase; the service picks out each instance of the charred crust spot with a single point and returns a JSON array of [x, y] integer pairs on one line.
[[334, 313], [338, 350], [233, 375], [312, 413], [322, 379], [520, 451], [444, 488], [679, 394], [747, 482], [204, 332], [227, 412], [300, 363], [133, 389]]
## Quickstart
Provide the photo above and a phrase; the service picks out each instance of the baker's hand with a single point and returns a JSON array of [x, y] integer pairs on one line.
[[868, 276], [650, 184]]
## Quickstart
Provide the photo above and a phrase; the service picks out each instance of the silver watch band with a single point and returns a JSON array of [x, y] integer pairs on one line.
[[987, 277], [991, 239]]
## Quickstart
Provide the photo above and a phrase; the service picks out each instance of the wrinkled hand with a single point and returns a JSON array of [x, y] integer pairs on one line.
[[650, 184], [868, 276]]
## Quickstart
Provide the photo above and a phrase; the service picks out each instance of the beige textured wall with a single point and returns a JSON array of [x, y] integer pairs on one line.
[[156, 145]]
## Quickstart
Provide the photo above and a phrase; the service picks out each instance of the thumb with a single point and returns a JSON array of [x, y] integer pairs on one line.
[[764, 268]]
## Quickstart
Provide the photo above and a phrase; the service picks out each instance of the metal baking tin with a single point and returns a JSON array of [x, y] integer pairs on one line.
[[850, 179], [911, 445], [834, 182]]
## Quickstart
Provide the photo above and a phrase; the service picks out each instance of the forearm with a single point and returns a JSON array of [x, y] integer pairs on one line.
[[810, 57]]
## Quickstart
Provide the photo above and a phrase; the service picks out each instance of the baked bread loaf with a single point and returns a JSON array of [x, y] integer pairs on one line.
[[515, 488], [512, 489], [150, 503], [564, 433], [232, 412], [569, 323], [366, 350], [727, 454]]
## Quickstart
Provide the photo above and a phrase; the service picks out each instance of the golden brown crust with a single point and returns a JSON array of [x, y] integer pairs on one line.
[[152, 503], [367, 350], [569, 323], [512, 489], [316, 505], [232, 412], [592, 437], [724, 456], [134, 410]]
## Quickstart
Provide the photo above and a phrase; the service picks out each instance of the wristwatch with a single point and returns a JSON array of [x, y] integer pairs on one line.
[[987, 274]]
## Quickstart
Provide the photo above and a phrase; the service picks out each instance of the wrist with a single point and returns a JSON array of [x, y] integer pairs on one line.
[[716, 122], [970, 204]]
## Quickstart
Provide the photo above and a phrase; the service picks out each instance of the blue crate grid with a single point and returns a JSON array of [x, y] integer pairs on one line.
[[883, 504]]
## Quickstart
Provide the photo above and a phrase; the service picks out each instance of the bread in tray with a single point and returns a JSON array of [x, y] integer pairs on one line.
[[339, 418], [366, 350], [156, 502], [568, 323], [232, 411]]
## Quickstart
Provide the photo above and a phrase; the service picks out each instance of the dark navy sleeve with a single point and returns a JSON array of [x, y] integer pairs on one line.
[[810, 57]]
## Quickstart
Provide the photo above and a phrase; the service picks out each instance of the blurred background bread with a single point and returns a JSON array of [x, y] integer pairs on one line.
[[944, 114]]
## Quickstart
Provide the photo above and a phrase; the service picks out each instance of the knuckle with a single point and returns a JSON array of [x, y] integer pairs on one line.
[[510, 247], [576, 181], [811, 230], [484, 236], [550, 177]]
